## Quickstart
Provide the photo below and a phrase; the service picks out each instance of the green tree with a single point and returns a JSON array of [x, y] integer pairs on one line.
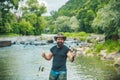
[[62, 24], [31, 17], [41, 23], [84, 10], [26, 28], [54, 14], [74, 24], [49, 25], [6, 17], [32, 13], [108, 20], [16, 27], [33, 6]]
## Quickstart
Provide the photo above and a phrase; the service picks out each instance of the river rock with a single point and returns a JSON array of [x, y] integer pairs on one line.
[[102, 54], [50, 41], [5, 43], [112, 56], [117, 65]]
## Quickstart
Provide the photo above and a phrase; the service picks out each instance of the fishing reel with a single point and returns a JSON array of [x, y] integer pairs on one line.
[[73, 51]]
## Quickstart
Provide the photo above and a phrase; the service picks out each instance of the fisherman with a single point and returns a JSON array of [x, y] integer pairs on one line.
[[60, 53]]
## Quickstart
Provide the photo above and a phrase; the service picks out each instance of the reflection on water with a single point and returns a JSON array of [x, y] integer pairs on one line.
[[20, 62], [94, 69]]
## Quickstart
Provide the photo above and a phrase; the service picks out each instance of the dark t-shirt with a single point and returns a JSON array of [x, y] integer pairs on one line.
[[59, 58]]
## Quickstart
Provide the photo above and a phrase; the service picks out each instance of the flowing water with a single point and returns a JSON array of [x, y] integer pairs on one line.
[[20, 62]]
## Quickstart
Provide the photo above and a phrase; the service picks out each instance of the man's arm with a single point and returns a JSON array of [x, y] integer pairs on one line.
[[71, 56], [47, 57]]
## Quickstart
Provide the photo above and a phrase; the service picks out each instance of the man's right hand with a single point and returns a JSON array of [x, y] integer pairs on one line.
[[43, 54], [47, 57]]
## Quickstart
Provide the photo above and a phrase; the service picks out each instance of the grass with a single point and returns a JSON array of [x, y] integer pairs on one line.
[[78, 34], [112, 46], [81, 36], [9, 35], [109, 45]]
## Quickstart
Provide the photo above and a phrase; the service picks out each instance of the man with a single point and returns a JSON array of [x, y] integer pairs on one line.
[[59, 52]]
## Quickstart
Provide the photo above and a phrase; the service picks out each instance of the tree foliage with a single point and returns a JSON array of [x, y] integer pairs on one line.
[[108, 19], [99, 16], [6, 17], [25, 27], [33, 6], [66, 24], [41, 23], [30, 22], [32, 13], [84, 10]]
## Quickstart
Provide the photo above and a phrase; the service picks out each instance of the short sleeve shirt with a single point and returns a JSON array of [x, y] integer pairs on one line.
[[59, 58]]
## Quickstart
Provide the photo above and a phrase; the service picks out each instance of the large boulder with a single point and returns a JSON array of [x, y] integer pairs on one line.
[[50, 41], [117, 65], [113, 56], [5, 43]]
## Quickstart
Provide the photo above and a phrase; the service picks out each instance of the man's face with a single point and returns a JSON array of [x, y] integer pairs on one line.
[[60, 41]]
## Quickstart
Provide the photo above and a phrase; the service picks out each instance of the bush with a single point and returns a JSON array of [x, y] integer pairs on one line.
[[26, 28], [98, 48], [76, 35], [16, 28], [112, 45]]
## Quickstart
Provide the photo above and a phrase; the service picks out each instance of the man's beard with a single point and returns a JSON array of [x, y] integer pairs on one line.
[[59, 44]]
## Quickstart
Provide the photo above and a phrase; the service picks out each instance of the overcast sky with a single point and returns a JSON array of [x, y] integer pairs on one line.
[[53, 5]]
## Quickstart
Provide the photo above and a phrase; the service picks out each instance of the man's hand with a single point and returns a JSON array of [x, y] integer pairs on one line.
[[74, 55], [71, 55], [47, 57], [43, 55]]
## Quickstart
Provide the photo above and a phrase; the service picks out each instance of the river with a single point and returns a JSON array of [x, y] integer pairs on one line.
[[20, 62]]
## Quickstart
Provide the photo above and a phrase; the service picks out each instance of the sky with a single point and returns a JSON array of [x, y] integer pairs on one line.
[[53, 5]]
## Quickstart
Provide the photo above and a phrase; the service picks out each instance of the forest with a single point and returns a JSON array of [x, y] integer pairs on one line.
[[90, 16]]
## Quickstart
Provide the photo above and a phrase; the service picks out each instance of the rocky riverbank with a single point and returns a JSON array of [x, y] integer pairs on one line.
[[86, 46], [26, 40], [113, 57]]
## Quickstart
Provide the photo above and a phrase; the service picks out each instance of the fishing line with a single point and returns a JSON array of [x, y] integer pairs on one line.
[[41, 67]]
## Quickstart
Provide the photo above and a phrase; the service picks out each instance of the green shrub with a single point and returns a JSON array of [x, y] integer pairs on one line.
[[82, 34], [98, 48], [83, 39], [88, 51], [76, 35], [112, 45]]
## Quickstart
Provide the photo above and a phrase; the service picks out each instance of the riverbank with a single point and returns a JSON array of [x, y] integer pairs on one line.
[[29, 40], [113, 57], [96, 68], [94, 45]]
